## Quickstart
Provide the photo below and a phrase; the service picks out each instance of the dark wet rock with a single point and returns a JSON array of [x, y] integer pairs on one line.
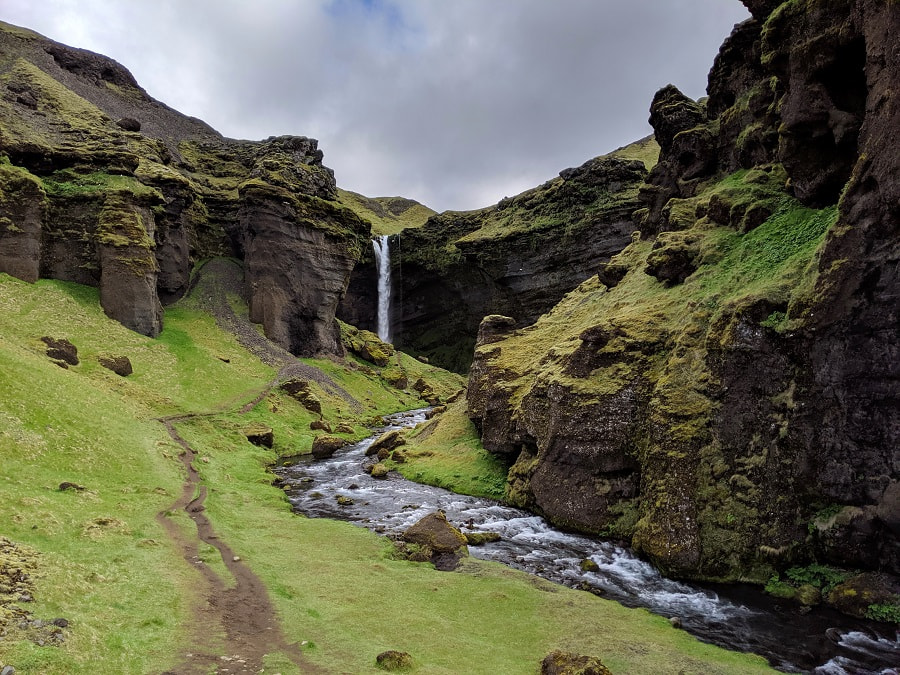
[[676, 622], [588, 565], [61, 350], [386, 442], [378, 470], [481, 538], [567, 663], [260, 435], [393, 660], [67, 486], [856, 595], [120, 365], [325, 446]]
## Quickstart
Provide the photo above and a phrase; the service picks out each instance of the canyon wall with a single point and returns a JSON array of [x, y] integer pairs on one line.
[[102, 185], [517, 258], [723, 393]]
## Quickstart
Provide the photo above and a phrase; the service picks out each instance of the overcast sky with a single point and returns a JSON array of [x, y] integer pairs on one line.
[[456, 103]]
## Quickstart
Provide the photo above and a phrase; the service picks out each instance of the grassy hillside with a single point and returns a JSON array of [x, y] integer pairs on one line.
[[388, 215], [101, 560]]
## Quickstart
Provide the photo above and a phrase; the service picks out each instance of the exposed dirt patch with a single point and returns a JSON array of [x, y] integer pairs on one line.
[[240, 621]]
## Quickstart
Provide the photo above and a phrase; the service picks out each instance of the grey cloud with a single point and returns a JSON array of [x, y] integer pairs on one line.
[[453, 103]]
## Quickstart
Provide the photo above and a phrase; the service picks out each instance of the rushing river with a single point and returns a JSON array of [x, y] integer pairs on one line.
[[742, 619]]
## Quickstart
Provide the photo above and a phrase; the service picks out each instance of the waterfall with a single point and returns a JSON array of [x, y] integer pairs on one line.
[[383, 266]]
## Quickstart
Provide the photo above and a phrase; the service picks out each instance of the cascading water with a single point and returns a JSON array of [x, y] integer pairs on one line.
[[383, 267], [819, 641]]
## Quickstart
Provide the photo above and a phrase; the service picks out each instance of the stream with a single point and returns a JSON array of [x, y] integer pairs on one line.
[[740, 618]]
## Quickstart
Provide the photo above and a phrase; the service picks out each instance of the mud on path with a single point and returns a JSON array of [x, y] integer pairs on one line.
[[234, 627], [235, 624]]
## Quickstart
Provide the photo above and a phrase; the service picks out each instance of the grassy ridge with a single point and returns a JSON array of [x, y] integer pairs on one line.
[[106, 565]]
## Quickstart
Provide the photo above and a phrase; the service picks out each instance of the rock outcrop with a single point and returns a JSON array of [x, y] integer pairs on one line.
[[724, 393], [517, 258], [102, 185]]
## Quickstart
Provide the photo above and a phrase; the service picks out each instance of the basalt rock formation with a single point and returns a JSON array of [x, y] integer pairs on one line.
[[516, 258], [724, 393], [102, 185]]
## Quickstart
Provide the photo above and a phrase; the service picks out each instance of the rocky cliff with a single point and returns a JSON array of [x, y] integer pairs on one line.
[[102, 185], [723, 394], [518, 257]]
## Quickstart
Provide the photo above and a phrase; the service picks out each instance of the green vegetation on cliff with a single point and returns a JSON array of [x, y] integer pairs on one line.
[[646, 343], [388, 215]]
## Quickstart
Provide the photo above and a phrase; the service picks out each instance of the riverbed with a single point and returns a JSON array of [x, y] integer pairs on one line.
[[740, 618]]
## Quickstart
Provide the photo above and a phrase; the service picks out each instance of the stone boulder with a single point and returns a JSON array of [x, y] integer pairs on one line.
[[260, 435], [378, 470], [129, 124], [387, 442], [566, 663], [857, 595], [325, 446], [300, 390], [393, 661], [120, 365], [494, 327], [320, 425], [61, 350], [435, 532]]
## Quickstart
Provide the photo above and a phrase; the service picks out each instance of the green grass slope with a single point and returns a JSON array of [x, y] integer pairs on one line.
[[388, 215], [102, 561]]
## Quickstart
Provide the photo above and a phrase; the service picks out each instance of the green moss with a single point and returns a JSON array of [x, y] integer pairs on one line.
[[888, 613], [447, 452], [388, 215], [645, 150]]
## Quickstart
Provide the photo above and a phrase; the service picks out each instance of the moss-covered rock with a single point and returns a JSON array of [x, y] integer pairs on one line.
[[566, 663], [325, 446]]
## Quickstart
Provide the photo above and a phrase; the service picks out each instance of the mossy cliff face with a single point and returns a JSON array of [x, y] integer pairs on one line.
[[723, 393], [102, 185], [516, 258]]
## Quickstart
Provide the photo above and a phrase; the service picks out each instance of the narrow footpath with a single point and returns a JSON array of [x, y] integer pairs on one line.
[[234, 627]]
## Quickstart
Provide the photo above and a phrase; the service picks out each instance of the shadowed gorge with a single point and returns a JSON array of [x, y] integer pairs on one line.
[[676, 362]]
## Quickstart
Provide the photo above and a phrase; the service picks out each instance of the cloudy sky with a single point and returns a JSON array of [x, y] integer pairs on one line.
[[456, 103]]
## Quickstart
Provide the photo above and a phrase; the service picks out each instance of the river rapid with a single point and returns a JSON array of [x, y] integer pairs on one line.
[[819, 641]]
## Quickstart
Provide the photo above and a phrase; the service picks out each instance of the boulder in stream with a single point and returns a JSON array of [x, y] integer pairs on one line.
[[325, 446], [386, 442], [446, 543]]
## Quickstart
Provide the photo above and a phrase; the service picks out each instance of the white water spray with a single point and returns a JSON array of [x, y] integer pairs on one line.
[[383, 266]]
